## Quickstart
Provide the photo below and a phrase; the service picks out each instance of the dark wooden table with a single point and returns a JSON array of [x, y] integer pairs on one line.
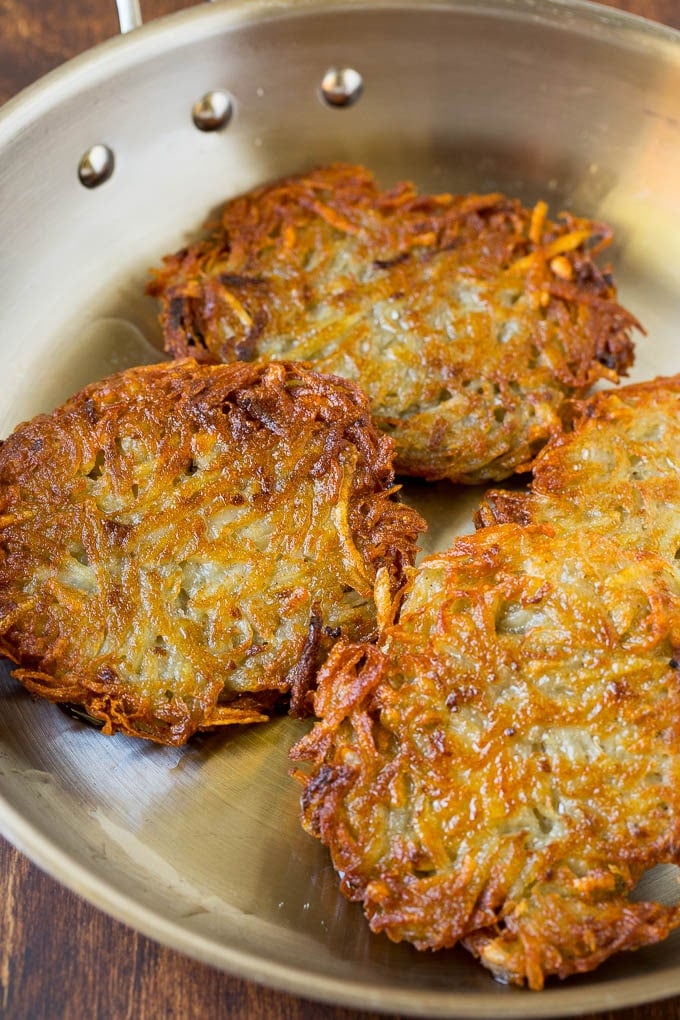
[[60, 957]]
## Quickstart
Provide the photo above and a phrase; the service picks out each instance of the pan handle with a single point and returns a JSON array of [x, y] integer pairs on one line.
[[129, 15]]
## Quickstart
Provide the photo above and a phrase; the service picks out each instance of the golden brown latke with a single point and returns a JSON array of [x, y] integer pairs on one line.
[[466, 319], [503, 768], [180, 543]]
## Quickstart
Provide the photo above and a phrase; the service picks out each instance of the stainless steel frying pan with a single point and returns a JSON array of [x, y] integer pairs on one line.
[[200, 847]]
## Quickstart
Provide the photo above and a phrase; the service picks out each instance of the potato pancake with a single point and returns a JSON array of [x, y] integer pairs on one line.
[[180, 544], [466, 319], [505, 765]]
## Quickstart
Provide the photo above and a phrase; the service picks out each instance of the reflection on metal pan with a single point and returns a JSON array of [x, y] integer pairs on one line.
[[200, 847]]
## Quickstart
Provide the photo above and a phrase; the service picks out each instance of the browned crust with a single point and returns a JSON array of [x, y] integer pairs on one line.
[[505, 766], [168, 534], [611, 451], [467, 319]]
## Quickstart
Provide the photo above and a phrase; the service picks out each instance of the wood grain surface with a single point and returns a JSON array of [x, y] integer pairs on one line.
[[59, 956]]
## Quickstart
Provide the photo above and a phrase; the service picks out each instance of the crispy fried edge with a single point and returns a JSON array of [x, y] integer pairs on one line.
[[384, 529], [346, 683], [560, 272]]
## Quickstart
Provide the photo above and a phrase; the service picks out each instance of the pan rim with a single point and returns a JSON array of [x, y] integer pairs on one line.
[[91, 67], [123, 51], [562, 1000]]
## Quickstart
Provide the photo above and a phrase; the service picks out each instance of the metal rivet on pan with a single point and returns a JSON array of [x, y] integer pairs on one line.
[[96, 166], [341, 86], [212, 111]]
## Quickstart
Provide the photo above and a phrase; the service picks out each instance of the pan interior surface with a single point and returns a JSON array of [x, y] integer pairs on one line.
[[200, 847]]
